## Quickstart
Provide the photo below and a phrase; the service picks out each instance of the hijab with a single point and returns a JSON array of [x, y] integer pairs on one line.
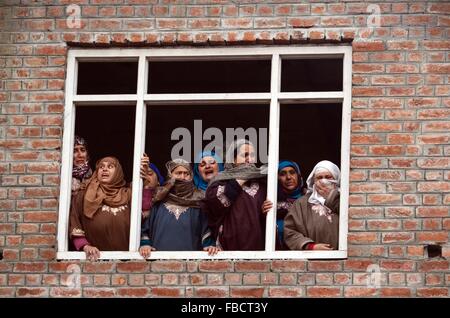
[[315, 197], [114, 193], [199, 182], [82, 171], [297, 191]]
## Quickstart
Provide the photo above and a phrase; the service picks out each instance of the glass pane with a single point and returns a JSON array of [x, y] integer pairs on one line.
[[209, 76], [309, 133], [311, 75], [109, 131], [107, 78], [200, 121]]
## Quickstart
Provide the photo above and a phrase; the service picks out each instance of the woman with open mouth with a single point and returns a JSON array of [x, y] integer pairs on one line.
[[207, 165], [100, 213]]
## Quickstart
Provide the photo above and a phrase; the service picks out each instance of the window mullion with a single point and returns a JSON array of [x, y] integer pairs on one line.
[[139, 144], [274, 126]]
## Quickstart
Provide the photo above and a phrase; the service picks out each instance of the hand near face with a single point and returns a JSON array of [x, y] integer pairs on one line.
[[145, 161]]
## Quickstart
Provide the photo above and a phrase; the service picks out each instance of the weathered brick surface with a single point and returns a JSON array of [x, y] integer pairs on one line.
[[399, 182]]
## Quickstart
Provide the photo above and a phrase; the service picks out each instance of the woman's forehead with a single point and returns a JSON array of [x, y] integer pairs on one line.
[[322, 171], [289, 168], [107, 161], [180, 168]]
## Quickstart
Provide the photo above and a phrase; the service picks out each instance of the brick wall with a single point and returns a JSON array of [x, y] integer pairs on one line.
[[400, 176]]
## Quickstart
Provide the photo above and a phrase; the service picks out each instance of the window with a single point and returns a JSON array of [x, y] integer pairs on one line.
[[285, 91]]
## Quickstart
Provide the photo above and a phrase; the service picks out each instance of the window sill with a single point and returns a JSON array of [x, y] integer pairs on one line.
[[341, 254]]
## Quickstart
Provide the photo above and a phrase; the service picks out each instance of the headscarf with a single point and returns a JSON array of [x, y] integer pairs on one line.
[[315, 197], [297, 192], [114, 193], [244, 171], [82, 171], [199, 182], [156, 170], [179, 192]]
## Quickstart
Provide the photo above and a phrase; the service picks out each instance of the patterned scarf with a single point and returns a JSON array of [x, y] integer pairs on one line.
[[179, 192], [82, 171]]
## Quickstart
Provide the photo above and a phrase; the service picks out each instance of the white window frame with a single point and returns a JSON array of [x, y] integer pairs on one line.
[[141, 100]]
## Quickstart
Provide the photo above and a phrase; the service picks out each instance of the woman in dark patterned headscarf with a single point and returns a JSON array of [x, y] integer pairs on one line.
[[80, 170]]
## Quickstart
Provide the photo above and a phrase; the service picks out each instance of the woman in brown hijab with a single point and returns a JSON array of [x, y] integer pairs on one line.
[[100, 213]]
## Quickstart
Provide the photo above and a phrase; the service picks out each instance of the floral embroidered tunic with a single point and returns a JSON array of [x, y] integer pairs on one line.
[[304, 225], [235, 214], [108, 230], [172, 227]]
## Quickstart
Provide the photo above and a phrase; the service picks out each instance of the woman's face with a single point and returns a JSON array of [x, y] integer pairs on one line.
[[153, 182], [246, 154], [323, 188], [288, 179], [79, 155], [181, 173], [106, 171], [208, 168]]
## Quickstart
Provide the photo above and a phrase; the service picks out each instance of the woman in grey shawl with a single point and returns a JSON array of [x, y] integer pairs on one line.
[[236, 201], [312, 223]]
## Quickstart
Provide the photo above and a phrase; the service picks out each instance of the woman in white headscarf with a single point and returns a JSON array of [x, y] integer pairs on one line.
[[312, 222]]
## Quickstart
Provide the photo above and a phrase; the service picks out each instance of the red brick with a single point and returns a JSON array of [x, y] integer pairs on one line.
[[390, 265], [32, 292], [323, 291], [353, 291], [98, 267], [99, 292], [246, 292], [30, 267], [396, 292], [39, 240], [432, 292], [288, 266], [132, 267], [304, 22], [215, 266], [211, 292], [432, 237], [133, 292], [248, 266], [285, 292]]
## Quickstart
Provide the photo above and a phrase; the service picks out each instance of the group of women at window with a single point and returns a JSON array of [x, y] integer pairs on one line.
[[210, 206]]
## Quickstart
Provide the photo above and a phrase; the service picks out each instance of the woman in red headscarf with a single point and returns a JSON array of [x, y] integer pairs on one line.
[[100, 213]]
